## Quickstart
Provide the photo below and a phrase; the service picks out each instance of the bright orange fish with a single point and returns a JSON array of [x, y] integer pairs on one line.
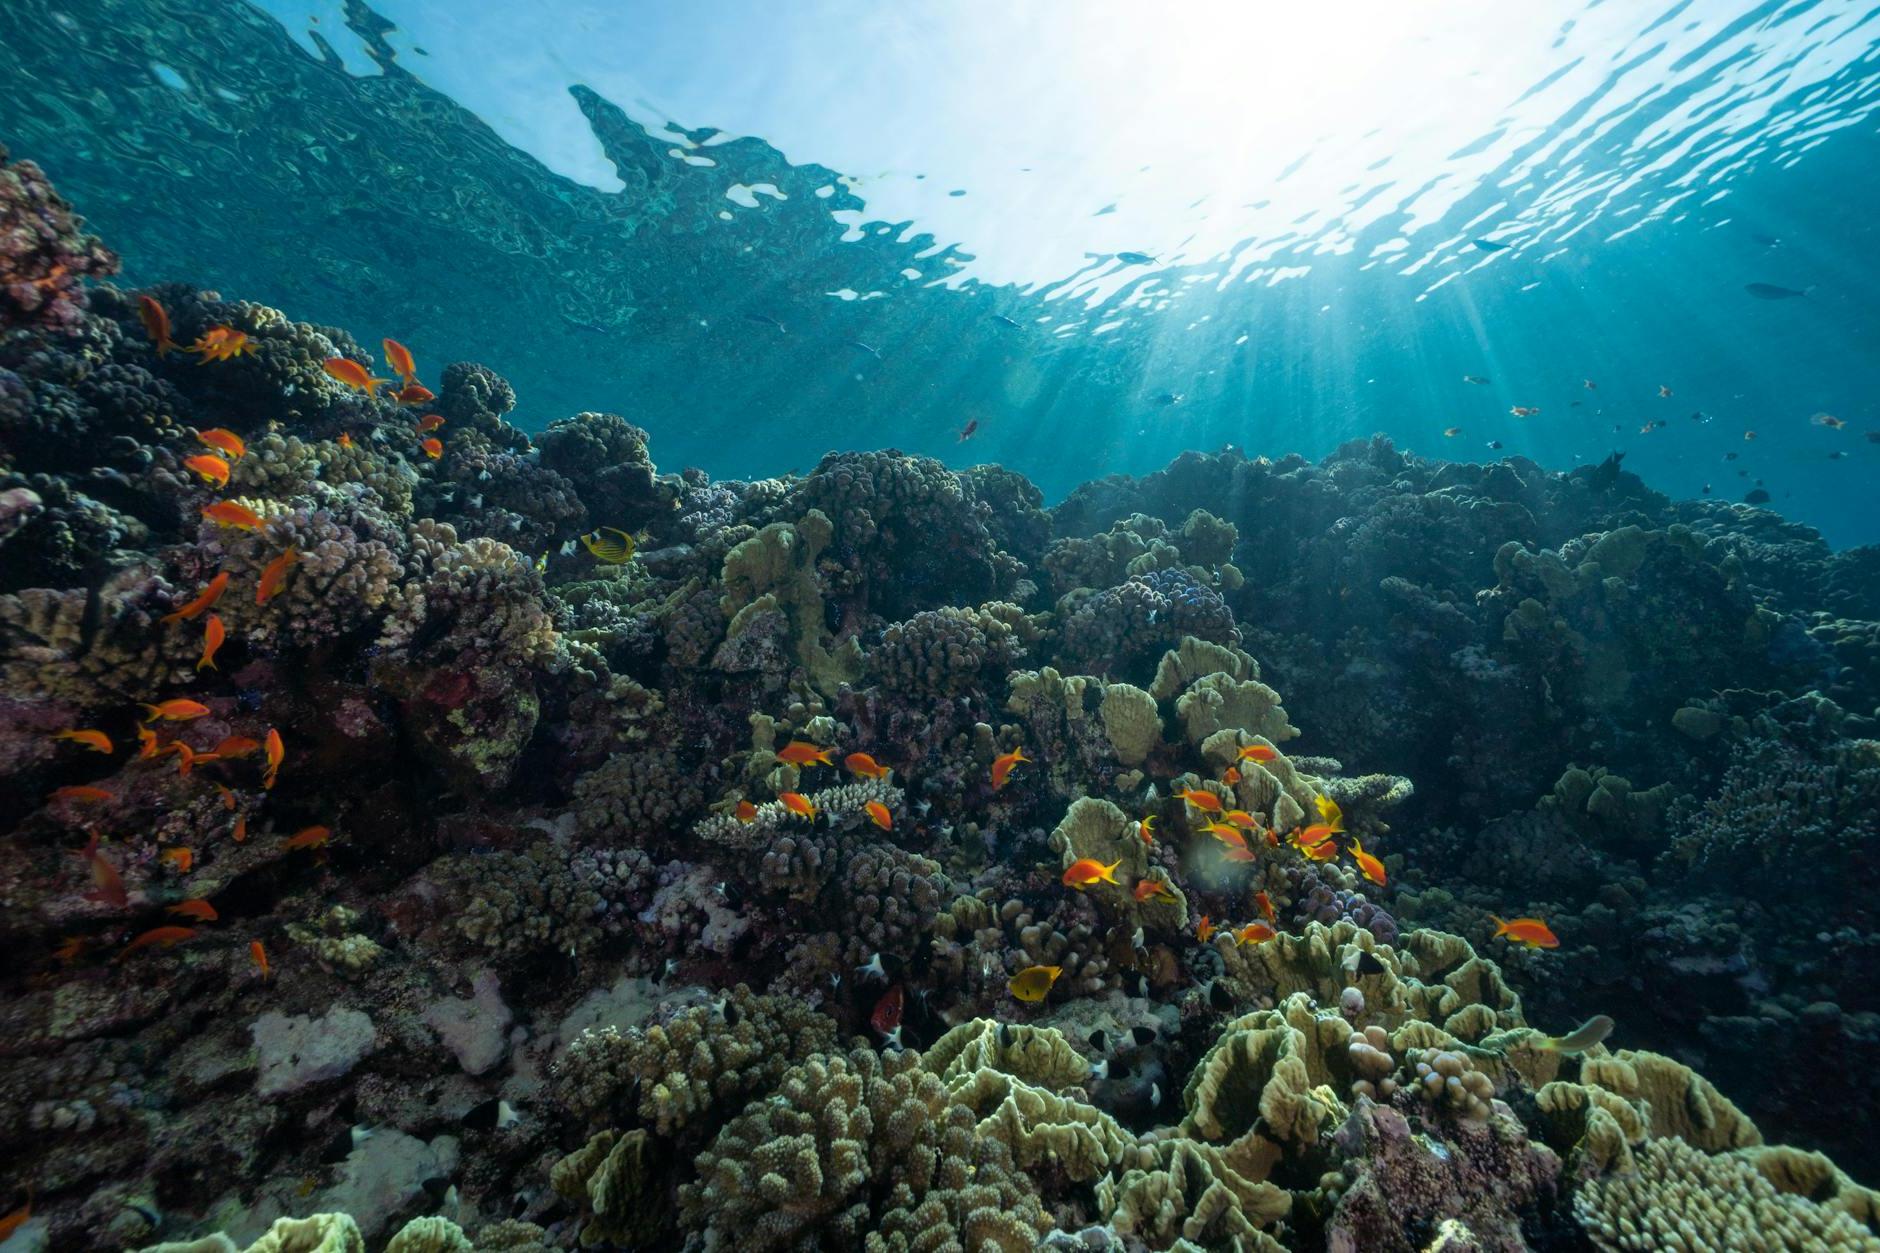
[[156, 320], [275, 575], [1373, 868], [235, 746], [1153, 887], [1265, 903], [1238, 852], [1255, 752], [221, 343], [1315, 835], [1272, 837], [879, 815], [212, 636], [433, 447], [745, 811], [1321, 852], [224, 441], [1146, 829], [1254, 933], [798, 804], [203, 603], [1085, 871], [277, 753], [107, 884], [96, 741], [345, 439], [79, 792], [1230, 776], [261, 958], [1226, 833], [310, 837], [212, 468], [1200, 800], [399, 358], [164, 937], [178, 710], [1204, 930], [1004, 764], [865, 766], [17, 1219], [228, 796], [1240, 818], [151, 746], [66, 953], [430, 422], [239, 832], [228, 513], [199, 909], [354, 375], [1529, 931], [803, 753], [182, 859], [414, 394]]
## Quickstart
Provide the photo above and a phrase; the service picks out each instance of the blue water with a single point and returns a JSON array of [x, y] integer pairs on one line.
[[772, 231]]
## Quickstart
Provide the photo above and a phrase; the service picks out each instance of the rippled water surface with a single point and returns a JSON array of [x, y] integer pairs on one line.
[[1101, 233]]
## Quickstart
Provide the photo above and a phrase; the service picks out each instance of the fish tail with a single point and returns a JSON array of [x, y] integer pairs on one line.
[[1501, 925]]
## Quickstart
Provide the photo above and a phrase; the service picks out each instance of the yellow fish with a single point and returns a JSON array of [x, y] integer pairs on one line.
[[614, 552], [1033, 982]]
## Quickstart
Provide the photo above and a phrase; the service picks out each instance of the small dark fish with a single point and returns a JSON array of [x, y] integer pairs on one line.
[[1219, 997], [1100, 1040], [1489, 245], [1135, 258], [1368, 964], [1000, 317], [337, 1147], [1005, 1035], [1495, 444], [1477, 379], [1575, 404], [436, 1187], [732, 1014], [1756, 496], [1742, 474], [1729, 456], [482, 1116], [1169, 398], [1769, 291], [1145, 1036], [966, 432], [1706, 489], [1873, 437], [1767, 241], [1836, 455], [873, 352], [766, 320]]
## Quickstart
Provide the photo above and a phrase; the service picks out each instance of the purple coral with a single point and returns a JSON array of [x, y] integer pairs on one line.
[[44, 251]]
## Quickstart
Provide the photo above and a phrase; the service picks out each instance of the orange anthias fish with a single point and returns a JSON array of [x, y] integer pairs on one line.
[[224, 441], [1314, 835], [310, 837], [1085, 871], [1230, 776], [345, 439], [865, 766], [212, 636], [1265, 903], [66, 954], [156, 320], [1237, 852], [260, 956], [228, 513], [1200, 800], [96, 741], [430, 422], [163, 937], [746, 812], [354, 375], [150, 746], [1321, 852], [203, 603], [79, 792], [414, 394], [199, 909], [17, 1219], [107, 884], [1256, 752], [798, 804], [1240, 818], [1146, 829], [399, 358], [178, 710], [1226, 833], [277, 753], [1153, 887], [221, 343], [1330, 812], [275, 575], [181, 859], [1373, 868], [1254, 933], [1529, 931], [228, 796], [803, 753], [879, 815], [212, 469], [1204, 930], [1004, 764], [235, 746], [433, 447], [239, 832]]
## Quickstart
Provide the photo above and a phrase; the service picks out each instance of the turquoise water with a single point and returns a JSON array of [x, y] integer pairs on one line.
[[1301, 205]]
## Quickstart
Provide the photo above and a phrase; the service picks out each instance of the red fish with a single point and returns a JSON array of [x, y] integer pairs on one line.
[[79, 792], [239, 832], [433, 447], [199, 909], [260, 956], [310, 837], [107, 884], [1204, 930], [235, 746], [212, 636], [746, 812], [1255, 752], [345, 439], [1529, 931], [1227, 833], [221, 343], [1153, 887], [1085, 871], [212, 468], [150, 746], [163, 937], [275, 575], [156, 320], [1265, 903], [414, 394], [17, 1219], [228, 513], [96, 741], [203, 603], [1315, 835], [399, 358], [1146, 829], [865, 766], [354, 375], [277, 753], [803, 753], [1239, 852], [887, 1016], [1004, 764], [178, 710], [798, 804], [430, 422], [966, 432], [1207, 801], [1240, 818], [1230, 776], [1373, 868], [224, 441], [879, 815], [1254, 933]]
